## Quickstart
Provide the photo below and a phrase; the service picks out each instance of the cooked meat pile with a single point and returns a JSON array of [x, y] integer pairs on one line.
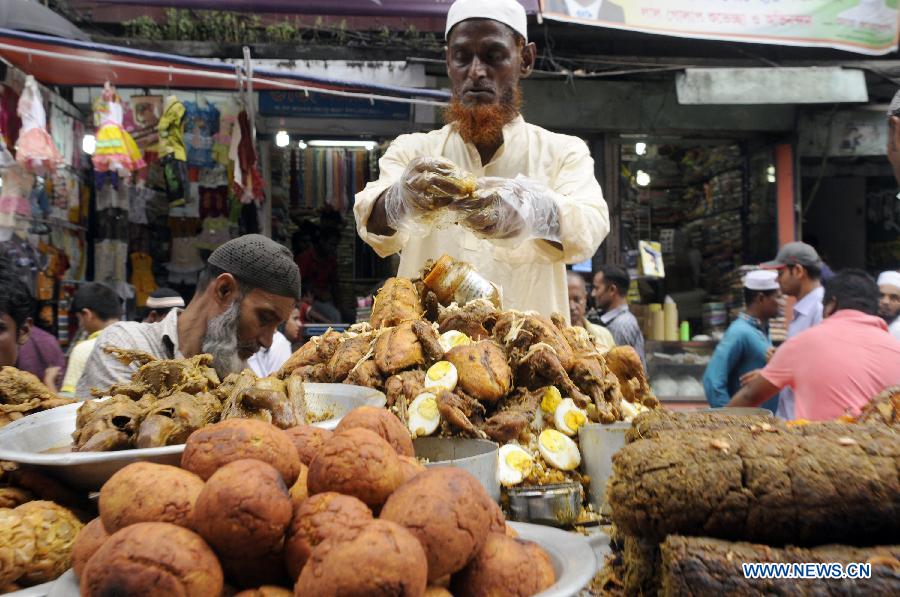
[[21, 393], [715, 479], [167, 400]]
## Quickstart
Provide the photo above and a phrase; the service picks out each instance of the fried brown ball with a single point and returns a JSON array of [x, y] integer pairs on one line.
[[384, 423], [316, 519], [498, 520], [376, 558], [148, 492], [214, 446], [244, 510], [266, 591], [153, 559], [88, 541], [300, 489], [308, 439], [411, 467], [448, 511], [434, 591], [55, 529], [10, 497], [356, 462], [247, 573], [17, 546], [505, 566]]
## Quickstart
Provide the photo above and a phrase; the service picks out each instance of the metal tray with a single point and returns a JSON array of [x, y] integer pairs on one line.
[[477, 456], [27, 440], [572, 555]]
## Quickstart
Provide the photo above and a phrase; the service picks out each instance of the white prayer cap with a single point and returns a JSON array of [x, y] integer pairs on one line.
[[889, 278], [761, 279], [508, 12]]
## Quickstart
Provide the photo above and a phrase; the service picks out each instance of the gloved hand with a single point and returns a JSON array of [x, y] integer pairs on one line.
[[509, 209], [426, 186]]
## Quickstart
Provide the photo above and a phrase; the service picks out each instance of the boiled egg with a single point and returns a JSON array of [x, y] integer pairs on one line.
[[453, 338], [423, 415], [568, 417], [558, 450], [631, 409], [515, 464], [550, 400], [441, 376]]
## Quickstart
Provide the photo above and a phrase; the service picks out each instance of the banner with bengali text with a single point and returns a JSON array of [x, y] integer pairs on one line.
[[864, 26]]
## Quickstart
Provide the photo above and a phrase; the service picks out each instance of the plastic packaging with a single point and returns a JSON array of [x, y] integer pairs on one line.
[[428, 185], [511, 210], [459, 282]]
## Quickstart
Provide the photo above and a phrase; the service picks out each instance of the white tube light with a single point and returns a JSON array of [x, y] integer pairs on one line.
[[89, 144], [370, 145], [282, 139], [640, 148], [642, 178]]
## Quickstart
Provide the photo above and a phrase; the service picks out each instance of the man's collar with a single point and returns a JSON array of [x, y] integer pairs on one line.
[[809, 302], [857, 317], [754, 321], [613, 313], [169, 326]]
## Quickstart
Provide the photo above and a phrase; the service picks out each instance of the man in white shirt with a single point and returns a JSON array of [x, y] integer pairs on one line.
[[267, 361], [799, 272], [533, 204], [889, 302]]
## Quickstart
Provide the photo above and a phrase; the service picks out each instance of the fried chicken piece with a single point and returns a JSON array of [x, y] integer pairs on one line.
[[172, 419], [515, 414], [519, 332], [127, 356], [582, 341], [396, 302], [428, 338], [163, 377], [318, 350], [410, 344], [365, 373], [408, 384], [883, 408], [348, 355], [296, 393], [625, 363], [312, 373], [21, 387], [476, 319], [107, 425], [593, 378], [541, 367], [483, 370], [265, 399], [456, 408]]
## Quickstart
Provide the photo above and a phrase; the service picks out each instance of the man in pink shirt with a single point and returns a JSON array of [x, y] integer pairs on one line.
[[836, 367]]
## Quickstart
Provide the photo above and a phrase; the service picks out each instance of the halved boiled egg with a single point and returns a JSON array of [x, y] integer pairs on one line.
[[515, 464], [631, 409], [558, 450], [453, 338], [423, 416], [568, 417], [550, 400], [441, 376]]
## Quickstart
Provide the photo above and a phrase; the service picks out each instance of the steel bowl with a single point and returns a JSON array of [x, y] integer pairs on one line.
[[572, 556], [598, 444], [40, 440], [477, 456], [555, 505]]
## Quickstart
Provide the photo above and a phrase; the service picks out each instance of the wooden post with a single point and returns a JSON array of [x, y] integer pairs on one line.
[[785, 194]]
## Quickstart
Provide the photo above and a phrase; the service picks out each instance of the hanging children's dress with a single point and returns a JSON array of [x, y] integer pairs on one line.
[[116, 150], [35, 149]]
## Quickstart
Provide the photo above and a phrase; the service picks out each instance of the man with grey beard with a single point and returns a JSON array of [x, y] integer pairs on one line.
[[248, 288]]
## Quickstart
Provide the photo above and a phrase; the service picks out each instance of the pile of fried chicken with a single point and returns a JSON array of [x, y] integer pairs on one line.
[[510, 358], [167, 400], [21, 394]]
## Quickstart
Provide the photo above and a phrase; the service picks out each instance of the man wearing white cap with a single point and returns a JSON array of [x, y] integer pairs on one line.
[[514, 200], [889, 302], [744, 346]]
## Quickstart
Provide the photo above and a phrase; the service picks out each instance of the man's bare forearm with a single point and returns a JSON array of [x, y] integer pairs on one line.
[[377, 223]]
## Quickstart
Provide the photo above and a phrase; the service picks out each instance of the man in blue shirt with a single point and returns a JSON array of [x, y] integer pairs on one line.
[[746, 342]]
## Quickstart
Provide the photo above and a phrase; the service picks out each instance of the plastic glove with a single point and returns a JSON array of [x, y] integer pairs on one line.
[[426, 186], [512, 210]]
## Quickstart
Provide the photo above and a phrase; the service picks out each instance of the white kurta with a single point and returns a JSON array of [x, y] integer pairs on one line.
[[533, 275]]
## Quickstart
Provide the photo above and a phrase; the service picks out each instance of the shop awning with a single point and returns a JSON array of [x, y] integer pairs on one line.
[[384, 8], [55, 61]]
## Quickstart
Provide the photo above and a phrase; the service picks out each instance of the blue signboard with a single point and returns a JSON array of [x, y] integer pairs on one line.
[[318, 105]]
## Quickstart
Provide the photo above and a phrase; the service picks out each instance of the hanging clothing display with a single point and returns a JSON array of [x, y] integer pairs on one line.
[[116, 150], [171, 131], [333, 176], [111, 261], [228, 112], [35, 149], [142, 277], [14, 196], [216, 232], [201, 123], [10, 123], [138, 196], [247, 179], [62, 129]]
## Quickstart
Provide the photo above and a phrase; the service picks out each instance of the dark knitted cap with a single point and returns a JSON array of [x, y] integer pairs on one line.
[[259, 262]]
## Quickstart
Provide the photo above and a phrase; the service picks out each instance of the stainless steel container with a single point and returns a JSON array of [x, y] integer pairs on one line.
[[39, 440], [598, 444], [478, 456], [555, 505]]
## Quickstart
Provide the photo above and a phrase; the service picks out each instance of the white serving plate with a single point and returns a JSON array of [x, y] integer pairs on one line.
[[572, 556], [27, 440]]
